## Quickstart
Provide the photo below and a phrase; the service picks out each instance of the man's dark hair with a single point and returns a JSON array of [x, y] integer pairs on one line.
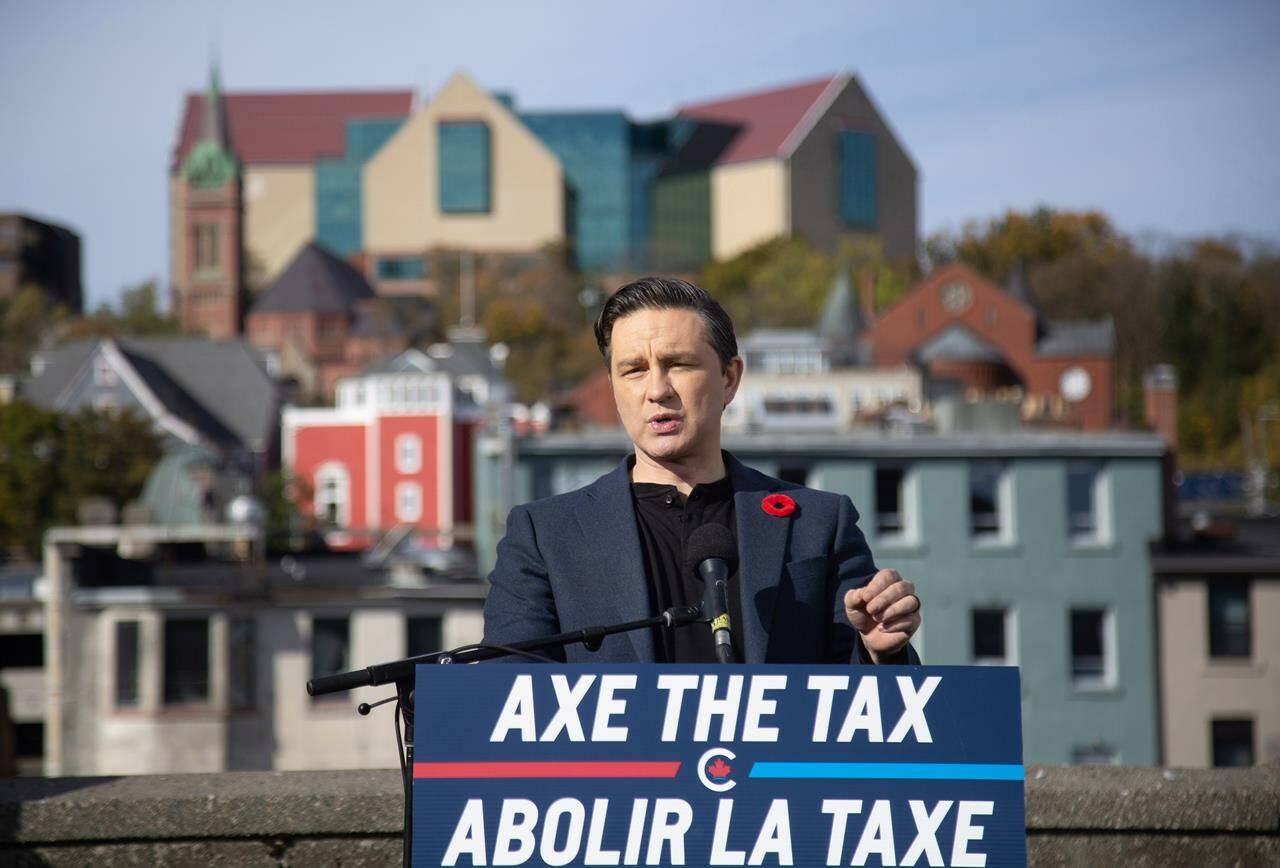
[[668, 293]]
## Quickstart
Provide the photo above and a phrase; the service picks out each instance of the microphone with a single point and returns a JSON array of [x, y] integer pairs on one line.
[[712, 554]]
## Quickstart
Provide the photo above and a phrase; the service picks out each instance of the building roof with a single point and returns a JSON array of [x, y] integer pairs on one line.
[[956, 343], [289, 127], [1250, 547], [766, 117], [465, 354], [219, 387], [1077, 338], [315, 280]]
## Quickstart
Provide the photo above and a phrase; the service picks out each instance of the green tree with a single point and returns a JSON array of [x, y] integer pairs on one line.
[[137, 314], [26, 318]]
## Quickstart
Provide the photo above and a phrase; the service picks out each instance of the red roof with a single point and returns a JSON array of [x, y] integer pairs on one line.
[[290, 127], [767, 117]]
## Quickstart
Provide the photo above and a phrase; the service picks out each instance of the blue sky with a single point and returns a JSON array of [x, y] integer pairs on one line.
[[1164, 115]]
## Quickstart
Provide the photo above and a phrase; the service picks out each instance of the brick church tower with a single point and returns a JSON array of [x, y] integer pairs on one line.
[[208, 287]]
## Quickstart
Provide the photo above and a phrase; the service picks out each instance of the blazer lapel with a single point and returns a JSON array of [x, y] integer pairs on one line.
[[762, 548], [611, 546]]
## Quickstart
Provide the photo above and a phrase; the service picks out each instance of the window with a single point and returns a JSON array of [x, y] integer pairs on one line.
[[103, 373], [986, 484], [186, 660], [127, 664], [422, 635], [463, 167], [408, 453], [21, 651], [1090, 648], [205, 244], [332, 494], [890, 518], [857, 169], [408, 501], [990, 636], [1083, 479], [1230, 621], [816, 405], [241, 642], [402, 268], [1232, 743], [1095, 755], [330, 646]]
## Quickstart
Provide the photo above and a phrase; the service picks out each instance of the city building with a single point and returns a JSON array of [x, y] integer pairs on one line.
[[22, 668], [1029, 548], [43, 255], [389, 185], [321, 320], [1217, 594], [254, 177], [176, 649], [217, 395], [958, 326], [396, 450]]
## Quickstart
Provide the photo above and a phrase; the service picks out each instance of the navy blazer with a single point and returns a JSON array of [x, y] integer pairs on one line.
[[574, 561]]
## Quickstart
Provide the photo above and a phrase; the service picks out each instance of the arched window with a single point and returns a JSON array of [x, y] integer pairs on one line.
[[408, 453], [333, 494], [408, 501]]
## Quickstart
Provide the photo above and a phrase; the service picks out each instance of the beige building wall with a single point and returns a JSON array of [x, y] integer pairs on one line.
[[279, 217], [1197, 689], [401, 205], [749, 204], [814, 174], [176, 247]]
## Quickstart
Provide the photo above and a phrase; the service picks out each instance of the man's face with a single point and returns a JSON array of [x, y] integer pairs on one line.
[[668, 383]]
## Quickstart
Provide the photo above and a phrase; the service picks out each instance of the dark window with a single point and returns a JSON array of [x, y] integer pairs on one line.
[[889, 514], [21, 651], [1082, 506], [1094, 755], [126, 663], [989, 637], [857, 161], [241, 644], [1232, 743], [330, 646], [797, 474], [205, 242], [984, 498], [422, 635], [186, 660], [1088, 647], [402, 268], [1230, 621], [28, 740], [462, 152]]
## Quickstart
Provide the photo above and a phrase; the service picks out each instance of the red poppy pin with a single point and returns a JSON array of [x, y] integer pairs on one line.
[[778, 504]]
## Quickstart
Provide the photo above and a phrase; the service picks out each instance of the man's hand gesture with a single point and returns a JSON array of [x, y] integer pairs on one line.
[[885, 611]]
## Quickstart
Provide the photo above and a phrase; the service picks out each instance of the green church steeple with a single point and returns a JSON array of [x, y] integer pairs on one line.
[[210, 163]]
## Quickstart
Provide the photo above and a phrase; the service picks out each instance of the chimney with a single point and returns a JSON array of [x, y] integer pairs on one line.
[[1160, 388]]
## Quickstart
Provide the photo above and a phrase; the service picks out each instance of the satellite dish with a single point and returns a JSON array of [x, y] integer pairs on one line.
[[1075, 384]]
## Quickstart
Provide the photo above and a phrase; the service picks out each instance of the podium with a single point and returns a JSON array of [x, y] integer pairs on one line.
[[527, 764]]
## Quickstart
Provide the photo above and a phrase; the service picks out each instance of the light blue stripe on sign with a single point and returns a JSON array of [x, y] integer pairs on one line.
[[890, 771]]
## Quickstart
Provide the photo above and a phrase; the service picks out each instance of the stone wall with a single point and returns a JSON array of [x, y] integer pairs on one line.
[[1088, 816]]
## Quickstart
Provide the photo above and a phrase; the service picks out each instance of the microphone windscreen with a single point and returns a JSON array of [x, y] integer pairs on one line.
[[711, 541]]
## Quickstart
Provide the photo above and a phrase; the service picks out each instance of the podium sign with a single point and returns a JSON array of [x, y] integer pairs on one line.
[[714, 765]]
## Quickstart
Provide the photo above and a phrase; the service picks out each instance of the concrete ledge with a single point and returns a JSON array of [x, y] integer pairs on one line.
[[1075, 816]]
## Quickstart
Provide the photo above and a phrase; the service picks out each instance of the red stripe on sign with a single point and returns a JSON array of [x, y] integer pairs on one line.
[[546, 770]]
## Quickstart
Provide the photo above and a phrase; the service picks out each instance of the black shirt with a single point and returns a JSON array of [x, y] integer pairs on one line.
[[665, 520]]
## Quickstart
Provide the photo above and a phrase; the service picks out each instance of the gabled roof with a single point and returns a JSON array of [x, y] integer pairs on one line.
[[767, 118], [219, 388], [1095, 337], [316, 280], [289, 127], [956, 343]]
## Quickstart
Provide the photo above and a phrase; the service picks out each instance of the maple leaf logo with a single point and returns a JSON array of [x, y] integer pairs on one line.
[[719, 770]]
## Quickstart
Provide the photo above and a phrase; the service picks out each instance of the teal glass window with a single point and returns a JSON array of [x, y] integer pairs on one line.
[[402, 268], [463, 167], [856, 161]]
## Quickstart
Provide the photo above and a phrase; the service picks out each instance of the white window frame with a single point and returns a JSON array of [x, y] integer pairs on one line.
[[408, 502], [408, 453], [337, 473], [1108, 679], [1010, 626]]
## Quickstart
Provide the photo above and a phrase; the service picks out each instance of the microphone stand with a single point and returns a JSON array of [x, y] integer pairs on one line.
[[402, 674]]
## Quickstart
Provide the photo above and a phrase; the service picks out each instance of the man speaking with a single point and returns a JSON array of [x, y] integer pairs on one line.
[[804, 588]]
